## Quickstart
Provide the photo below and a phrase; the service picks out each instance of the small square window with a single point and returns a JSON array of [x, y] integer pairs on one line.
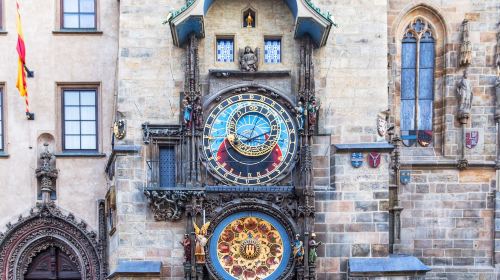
[[272, 51], [78, 14], [79, 123], [225, 50]]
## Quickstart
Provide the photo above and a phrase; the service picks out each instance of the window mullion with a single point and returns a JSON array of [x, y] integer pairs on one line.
[[417, 82]]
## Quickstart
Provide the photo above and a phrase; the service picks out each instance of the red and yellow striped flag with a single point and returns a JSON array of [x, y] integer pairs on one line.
[[21, 64]]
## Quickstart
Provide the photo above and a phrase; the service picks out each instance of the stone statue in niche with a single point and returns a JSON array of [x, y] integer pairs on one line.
[[249, 59], [46, 171], [464, 91], [466, 47]]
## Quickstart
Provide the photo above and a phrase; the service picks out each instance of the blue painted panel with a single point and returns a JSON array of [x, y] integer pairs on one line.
[[426, 84], [407, 114], [425, 115], [311, 27], [408, 84], [167, 167], [220, 227], [292, 5], [427, 54], [409, 53], [191, 24]]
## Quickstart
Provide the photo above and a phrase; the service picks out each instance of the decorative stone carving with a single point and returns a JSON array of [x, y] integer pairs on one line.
[[382, 123], [157, 131], [46, 171], [169, 205], [119, 129], [249, 59], [466, 47], [44, 227], [464, 92]]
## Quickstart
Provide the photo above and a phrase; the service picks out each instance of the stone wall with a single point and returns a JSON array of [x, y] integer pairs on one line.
[[55, 58]]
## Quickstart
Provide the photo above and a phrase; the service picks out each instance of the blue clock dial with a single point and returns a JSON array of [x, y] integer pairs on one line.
[[249, 139]]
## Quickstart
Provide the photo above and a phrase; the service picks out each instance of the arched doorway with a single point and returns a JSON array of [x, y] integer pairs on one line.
[[52, 263]]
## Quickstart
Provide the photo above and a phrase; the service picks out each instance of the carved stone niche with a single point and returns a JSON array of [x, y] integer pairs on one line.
[[225, 80], [46, 170]]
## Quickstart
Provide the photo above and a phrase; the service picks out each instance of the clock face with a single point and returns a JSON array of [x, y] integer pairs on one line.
[[249, 139]]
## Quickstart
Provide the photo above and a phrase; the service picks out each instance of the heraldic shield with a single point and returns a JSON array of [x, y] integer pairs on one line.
[[471, 139], [374, 159], [356, 160]]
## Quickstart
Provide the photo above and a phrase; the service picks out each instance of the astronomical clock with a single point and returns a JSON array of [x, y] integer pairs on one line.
[[249, 139], [242, 169]]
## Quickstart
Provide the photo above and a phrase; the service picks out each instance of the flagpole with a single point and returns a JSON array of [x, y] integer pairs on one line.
[[22, 70]]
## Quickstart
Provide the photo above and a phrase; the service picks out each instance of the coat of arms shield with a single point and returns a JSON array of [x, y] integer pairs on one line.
[[471, 139], [374, 159], [405, 177], [356, 160]]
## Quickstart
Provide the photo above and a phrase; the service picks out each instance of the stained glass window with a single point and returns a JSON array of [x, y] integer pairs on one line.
[[417, 81], [80, 119], [167, 166], [225, 50], [272, 51]]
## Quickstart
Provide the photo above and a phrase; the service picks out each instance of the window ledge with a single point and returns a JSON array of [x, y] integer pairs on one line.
[[3, 32], [76, 32], [77, 154], [4, 155]]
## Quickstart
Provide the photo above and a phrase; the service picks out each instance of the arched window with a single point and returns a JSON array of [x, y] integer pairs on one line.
[[417, 83]]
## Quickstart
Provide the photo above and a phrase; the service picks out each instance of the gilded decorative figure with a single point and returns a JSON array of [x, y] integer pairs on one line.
[[464, 91], [313, 246], [301, 112], [466, 48], [119, 129], [188, 112], [201, 242], [186, 244], [249, 20], [249, 59], [298, 249]]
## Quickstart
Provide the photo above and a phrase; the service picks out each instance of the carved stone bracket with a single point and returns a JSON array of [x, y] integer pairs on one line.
[[170, 204], [150, 131]]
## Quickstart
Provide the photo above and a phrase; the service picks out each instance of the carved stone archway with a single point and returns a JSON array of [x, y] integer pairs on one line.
[[46, 226]]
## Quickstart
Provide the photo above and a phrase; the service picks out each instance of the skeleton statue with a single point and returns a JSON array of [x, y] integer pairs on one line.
[[301, 114], [249, 59], [464, 91]]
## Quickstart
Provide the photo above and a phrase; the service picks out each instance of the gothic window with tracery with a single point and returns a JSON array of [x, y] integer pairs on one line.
[[417, 83]]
